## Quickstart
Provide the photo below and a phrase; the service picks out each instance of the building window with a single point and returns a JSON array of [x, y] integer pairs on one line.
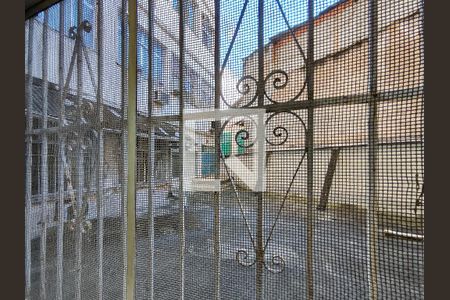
[[142, 160], [53, 17], [89, 168], [191, 11], [89, 14], [142, 53], [160, 167], [163, 98], [175, 4], [176, 163], [208, 161], [175, 72], [119, 39], [36, 168], [71, 18], [191, 86], [194, 84], [207, 32], [52, 161], [226, 143], [52, 165], [207, 94], [187, 85], [159, 55]]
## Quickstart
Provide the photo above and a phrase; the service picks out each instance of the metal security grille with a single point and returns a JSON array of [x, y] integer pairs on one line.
[[200, 149]]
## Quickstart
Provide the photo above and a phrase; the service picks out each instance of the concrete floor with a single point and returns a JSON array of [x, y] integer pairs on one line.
[[340, 259]]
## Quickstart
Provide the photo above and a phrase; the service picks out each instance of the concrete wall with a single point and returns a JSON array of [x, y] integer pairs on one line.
[[342, 70], [396, 180]]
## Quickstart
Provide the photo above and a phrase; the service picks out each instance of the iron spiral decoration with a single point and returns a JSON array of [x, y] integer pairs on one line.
[[279, 135], [249, 89], [244, 87], [277, 79], [243, 137], [277, 264], [243, 258]]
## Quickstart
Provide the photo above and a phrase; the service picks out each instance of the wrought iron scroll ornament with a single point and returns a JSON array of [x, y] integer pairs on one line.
[[277, 79], [82, 139], [279, 135], [249, 86]]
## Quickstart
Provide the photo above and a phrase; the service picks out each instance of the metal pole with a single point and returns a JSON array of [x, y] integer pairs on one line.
[[131, 153], [123, 171], [310, 153], [44, 156], [422, 34], [151, 150], [182, 233], [372, 217], [217, 196], [79, 157], [100, 153], [29, 158], [60, 203], [260, 208]]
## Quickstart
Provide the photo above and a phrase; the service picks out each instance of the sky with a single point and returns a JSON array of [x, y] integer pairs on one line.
[[247, 38]]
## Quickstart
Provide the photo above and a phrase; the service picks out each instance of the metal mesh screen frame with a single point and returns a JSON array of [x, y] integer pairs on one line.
[[144, 150]]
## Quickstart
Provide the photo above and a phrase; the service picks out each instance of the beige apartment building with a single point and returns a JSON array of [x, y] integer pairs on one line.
[[341, 95]]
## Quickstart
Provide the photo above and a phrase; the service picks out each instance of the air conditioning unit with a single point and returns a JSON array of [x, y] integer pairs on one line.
[[161, 98]]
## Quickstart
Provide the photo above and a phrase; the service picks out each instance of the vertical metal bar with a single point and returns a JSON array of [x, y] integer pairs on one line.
[[44, 156], [79, 157], [131, 153], [78, 218], [60, 203], [217, 196], [310, 153], [182, 233], [372, 218], [260, 208], [29, 158], [151, 149], [151, 164], [422, 17], [124, 139], [100, 153]]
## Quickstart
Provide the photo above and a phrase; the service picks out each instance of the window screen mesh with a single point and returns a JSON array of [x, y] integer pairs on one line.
[[75, 91], [279, 150]]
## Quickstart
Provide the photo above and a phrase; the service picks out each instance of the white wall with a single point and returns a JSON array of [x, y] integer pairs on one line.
[[198, 57]]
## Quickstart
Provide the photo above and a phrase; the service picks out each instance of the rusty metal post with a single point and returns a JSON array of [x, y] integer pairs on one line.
[[182, 230], [29, 158], [151, 149], [372, 212], [131, 153], [260, 209], [44, 159], [310, 155], [100, 149], [123, 169], [79, 157], [217, 195], [60, 202]]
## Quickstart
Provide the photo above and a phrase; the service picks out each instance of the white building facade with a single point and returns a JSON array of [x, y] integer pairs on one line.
[[46, 79]]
